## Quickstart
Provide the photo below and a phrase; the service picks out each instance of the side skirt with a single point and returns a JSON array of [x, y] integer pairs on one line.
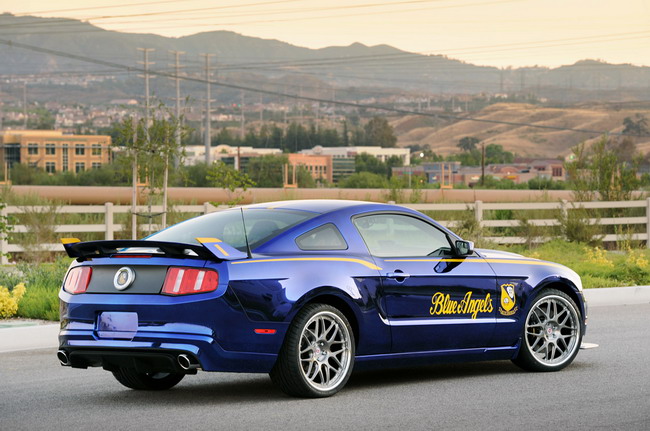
[[397, 360]]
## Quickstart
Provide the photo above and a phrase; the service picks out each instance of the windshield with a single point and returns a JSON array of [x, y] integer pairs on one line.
[[261, 226]]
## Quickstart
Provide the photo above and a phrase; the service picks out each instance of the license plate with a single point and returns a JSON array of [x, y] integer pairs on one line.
[[111, 324]]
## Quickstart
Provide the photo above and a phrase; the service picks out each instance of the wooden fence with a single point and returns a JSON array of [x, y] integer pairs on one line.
[[108, 228]]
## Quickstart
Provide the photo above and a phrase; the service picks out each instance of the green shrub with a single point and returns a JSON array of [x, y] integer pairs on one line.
[[43, 283]]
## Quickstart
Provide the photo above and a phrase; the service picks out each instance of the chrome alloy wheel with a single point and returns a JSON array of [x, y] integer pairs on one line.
[[325, 351], [552, 330]]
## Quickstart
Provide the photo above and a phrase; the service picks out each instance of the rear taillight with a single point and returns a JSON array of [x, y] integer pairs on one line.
[[184, 281], [78, 279]]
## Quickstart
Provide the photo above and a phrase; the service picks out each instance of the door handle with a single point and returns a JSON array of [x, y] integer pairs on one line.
[[398, 275]]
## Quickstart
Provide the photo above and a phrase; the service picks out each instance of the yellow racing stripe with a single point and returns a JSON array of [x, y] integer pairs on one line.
[[313, 259], [513, 261]]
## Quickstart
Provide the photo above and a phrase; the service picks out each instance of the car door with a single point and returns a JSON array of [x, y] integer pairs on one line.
[[434, 300]]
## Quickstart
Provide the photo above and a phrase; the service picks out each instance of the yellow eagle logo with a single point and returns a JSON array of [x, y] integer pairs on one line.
[[508, 299]]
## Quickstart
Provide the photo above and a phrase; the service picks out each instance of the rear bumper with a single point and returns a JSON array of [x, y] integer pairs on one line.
[[208, 327], [158, 351]]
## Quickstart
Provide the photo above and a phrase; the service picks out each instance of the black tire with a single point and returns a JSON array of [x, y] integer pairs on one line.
[[551, 334], [317, 356], [147, 381]]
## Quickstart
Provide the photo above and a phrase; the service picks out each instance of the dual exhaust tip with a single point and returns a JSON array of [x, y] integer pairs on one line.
[[63, 357], [184, 361]]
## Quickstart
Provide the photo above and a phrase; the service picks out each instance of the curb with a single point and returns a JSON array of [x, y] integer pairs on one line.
[[612, 296], [16, 337]]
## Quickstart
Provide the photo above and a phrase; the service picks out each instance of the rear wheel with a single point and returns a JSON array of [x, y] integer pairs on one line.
[[552, 333], [147, 381], [317, 357]]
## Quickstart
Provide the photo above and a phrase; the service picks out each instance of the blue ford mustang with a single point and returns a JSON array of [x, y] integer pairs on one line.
[[307, 291]]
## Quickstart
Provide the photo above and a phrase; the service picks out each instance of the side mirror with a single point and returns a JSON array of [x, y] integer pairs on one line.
[[464, 248]]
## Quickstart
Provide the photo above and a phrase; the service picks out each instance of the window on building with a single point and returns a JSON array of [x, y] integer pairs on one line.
[[32, 149], [97, 150], [557, 172], [50, 149], [64, 166], [33, 164], [80, 149], [50, 167], [96, 165], [79, 167]]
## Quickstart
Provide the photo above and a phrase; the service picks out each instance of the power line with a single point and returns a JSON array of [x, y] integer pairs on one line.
[[312, 99]]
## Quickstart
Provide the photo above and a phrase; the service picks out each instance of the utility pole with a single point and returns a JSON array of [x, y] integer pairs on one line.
[[1, 117], [147, 107], [134, 190], [25, 105], [177, 79], [501, 80], [242, 118], [300, 101], [207, 136], [482, 163], [146, 63]]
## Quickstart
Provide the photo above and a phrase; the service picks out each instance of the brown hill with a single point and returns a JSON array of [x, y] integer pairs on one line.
[[523, 140]]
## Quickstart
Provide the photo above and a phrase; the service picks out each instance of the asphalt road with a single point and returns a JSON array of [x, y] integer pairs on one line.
[[605, 388]]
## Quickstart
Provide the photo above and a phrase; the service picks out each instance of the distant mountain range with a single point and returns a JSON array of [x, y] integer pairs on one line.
[[260, 61]]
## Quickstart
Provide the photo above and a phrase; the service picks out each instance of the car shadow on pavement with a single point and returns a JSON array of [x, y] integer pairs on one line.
[[211, 389], [399, 376]]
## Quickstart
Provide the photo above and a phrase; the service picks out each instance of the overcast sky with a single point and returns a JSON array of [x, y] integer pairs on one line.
[[490, 32]]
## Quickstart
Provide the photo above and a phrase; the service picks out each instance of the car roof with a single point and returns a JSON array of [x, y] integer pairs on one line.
[[320, 206]]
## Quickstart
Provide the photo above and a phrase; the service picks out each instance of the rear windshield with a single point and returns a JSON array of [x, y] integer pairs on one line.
[[261, 226]]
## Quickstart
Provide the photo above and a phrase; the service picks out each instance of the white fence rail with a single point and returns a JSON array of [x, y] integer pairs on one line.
[[109, 227]]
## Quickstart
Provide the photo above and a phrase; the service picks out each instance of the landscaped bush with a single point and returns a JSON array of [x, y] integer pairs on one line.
[[42, 282], [9, 300]]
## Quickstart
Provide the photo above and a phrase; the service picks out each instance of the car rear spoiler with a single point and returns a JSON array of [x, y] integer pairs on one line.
[[210, 248]]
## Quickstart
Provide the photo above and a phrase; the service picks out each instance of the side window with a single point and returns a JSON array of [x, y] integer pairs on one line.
[[326, 237], [394, 235]]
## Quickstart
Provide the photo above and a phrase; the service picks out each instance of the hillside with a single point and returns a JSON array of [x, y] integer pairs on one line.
[[524, 141], [354, 65]]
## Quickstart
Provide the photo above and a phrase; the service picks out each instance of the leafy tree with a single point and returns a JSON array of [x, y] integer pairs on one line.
[[364, 180], [468, 143], [600, 172], [304, 178], [540, 183], [223, 176], [379, 132], [365, 162], [224, 137], [495, 153], [5, 224], [393, 162], [267, 170], [636, 126]]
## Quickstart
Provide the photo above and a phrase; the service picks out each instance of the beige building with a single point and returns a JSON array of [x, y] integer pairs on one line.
[[320, 167], [53, 151]]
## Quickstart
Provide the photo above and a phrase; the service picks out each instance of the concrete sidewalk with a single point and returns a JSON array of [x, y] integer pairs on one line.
[[19, 334], [25, 335]]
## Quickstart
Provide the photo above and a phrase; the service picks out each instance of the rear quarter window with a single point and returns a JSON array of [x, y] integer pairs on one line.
[[325, 237]]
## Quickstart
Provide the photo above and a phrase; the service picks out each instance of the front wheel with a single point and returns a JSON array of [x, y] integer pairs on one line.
[[317, 356], [552, 333], [147, 381]]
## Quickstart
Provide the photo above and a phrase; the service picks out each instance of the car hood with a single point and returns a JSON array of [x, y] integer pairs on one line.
[[496, 254]]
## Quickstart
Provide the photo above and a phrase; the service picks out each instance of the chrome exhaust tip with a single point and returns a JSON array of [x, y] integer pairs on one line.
[[185, 362], [63, 357]]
